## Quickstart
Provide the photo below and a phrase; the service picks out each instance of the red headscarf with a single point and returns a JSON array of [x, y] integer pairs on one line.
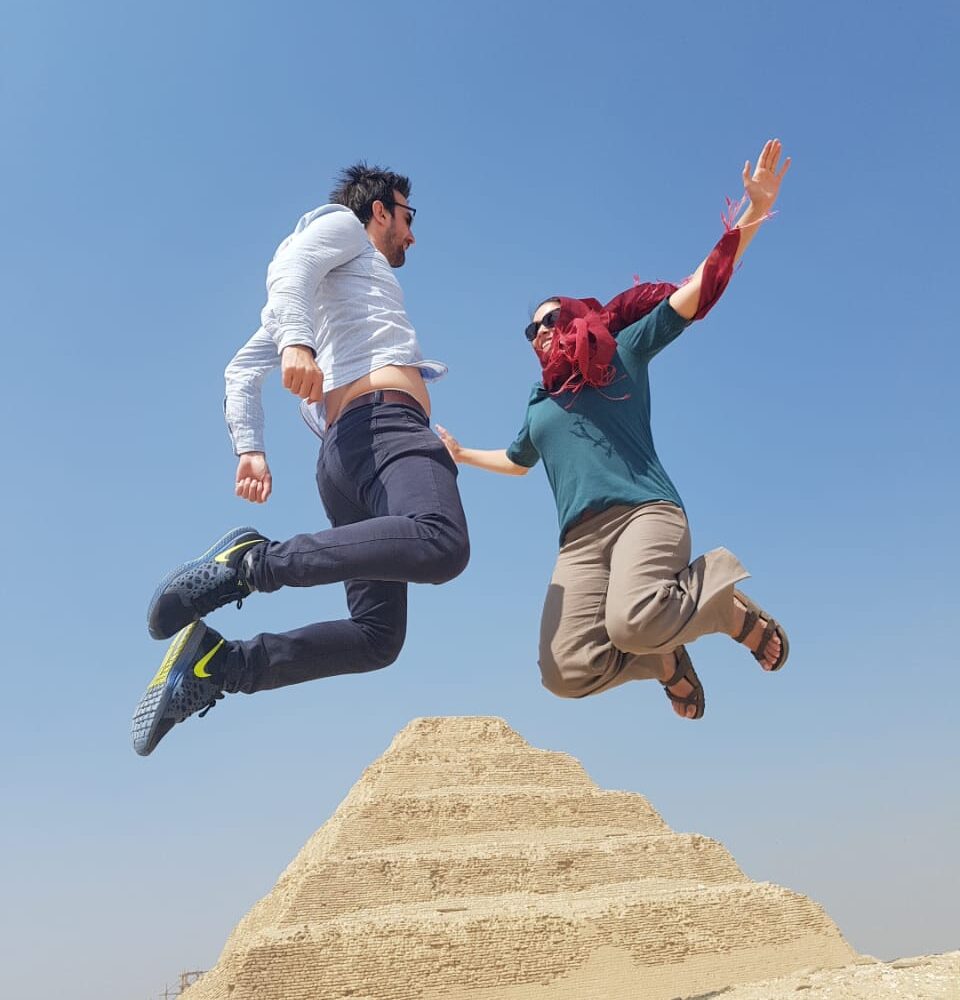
[[583, 344]]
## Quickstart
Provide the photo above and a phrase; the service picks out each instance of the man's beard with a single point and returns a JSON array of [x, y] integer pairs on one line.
[[396, 255]]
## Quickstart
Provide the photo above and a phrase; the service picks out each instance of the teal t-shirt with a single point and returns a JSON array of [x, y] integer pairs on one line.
[[598, 448]]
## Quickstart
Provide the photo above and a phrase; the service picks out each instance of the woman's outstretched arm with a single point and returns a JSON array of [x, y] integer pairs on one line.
[[493, 461], [762, 189]]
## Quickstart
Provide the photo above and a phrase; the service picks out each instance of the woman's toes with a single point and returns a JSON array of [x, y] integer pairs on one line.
[[682, 689], [684, 711], [771, 652]]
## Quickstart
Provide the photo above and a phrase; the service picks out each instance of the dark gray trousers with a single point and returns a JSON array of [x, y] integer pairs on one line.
[[389, 488]]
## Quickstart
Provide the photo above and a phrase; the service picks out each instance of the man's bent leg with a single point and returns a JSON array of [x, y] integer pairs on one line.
[[385, 461], [369, 640]]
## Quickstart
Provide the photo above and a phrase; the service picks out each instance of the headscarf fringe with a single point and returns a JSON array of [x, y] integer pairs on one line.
[[583, 343]]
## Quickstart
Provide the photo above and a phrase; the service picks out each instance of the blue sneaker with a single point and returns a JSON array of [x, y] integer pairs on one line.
[[200, 586], [183, 685]]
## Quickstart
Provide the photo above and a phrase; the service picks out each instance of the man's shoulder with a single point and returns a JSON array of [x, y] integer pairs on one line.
[[331, 215], [331, 225]]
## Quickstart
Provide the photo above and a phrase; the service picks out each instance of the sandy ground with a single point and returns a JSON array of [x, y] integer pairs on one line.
[[930, 977]]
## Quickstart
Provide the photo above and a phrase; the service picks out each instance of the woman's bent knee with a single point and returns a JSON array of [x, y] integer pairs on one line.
[[648, 626], [561, 688], [569, 683]]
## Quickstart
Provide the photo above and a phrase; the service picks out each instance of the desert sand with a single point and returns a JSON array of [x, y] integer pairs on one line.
[[466, 863]]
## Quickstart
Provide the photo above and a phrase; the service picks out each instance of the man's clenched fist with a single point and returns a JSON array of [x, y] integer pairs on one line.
[[301, 374], [254, 481]]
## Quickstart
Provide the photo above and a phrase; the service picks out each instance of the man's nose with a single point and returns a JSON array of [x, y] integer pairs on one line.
[[411, 239]]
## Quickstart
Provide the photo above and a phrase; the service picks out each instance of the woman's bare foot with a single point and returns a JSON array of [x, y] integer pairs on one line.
[[770, 655]]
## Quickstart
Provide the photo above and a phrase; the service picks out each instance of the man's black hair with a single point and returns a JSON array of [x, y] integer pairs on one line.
[[359, 186]]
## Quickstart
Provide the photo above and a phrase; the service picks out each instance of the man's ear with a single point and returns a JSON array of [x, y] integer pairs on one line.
[[379, 211]]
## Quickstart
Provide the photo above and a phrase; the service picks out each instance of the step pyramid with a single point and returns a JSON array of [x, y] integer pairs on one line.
[[466, 863]]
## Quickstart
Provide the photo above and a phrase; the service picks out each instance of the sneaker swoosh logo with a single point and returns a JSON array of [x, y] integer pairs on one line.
[[224, 556], [200, 667]]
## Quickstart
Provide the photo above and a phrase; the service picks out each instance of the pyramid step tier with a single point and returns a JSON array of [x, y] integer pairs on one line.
[[728, 933], [412, 769], [366, 822], [425, 871]]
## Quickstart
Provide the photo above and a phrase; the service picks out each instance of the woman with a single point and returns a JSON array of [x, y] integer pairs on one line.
[[624, 597]]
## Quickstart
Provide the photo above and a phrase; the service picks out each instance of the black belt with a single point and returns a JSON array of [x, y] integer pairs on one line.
[[381, 396]]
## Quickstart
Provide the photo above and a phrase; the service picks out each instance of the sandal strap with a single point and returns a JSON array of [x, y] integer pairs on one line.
[[684, 666], [750, 619], [772, 629], [754, 614], [678, 675], [685, 672]]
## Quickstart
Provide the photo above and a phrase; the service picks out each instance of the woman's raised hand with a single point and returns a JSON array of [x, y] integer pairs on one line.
[[763, 186]]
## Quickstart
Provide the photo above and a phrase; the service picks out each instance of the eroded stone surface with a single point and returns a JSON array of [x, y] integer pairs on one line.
[[465, 863]]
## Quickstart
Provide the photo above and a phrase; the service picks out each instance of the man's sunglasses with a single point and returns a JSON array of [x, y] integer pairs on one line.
[[409, 208], [548, 323]]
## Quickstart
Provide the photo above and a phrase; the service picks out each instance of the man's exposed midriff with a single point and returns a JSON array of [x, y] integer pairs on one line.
[[406, 378]]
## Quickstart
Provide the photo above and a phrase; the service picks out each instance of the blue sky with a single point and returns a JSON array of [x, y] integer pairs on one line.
[[155, 154]]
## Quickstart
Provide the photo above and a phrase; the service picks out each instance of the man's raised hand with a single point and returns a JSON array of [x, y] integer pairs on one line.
[[763, 186], [254, 482], [301, 374]]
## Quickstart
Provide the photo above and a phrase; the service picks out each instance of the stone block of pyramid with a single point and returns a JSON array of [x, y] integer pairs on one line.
[[466, 863]]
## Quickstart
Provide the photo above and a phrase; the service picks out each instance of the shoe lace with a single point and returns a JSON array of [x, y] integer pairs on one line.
[[213, 700], [243, 585], [229, 590]]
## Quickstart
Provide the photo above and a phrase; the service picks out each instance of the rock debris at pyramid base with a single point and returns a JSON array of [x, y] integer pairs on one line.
[[465, 863]]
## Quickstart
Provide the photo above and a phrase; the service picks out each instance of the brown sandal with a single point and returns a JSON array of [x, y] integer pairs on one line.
[[753, 614], [685, 672]]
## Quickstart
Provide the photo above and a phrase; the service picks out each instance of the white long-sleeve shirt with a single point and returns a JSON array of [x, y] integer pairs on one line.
[[331, 290]]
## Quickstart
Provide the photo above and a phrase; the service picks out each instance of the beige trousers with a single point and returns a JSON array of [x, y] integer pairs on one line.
[[624, 591]]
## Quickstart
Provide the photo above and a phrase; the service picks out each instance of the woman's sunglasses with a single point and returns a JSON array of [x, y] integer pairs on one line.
[[548, 323]]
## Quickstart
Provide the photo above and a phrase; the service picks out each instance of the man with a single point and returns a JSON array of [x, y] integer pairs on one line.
[[335, 323]]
